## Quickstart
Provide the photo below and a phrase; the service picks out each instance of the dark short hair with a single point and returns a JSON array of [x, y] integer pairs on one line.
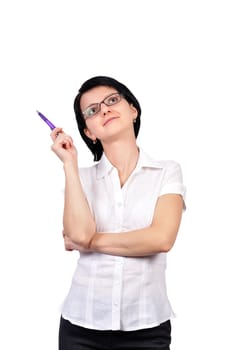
[[96, 148]]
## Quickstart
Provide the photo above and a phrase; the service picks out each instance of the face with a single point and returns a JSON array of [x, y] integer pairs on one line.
[[106, 113]]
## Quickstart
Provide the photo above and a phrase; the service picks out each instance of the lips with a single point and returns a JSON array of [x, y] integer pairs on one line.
[[109, 120]]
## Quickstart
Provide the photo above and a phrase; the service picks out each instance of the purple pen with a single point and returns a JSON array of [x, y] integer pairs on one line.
[[51, 126]]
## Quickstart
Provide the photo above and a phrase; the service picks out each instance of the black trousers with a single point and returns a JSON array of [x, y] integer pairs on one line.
[[72, 337]]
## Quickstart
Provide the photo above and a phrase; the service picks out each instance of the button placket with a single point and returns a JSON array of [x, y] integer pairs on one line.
[[118, 199], [116, 292], [118, 268]]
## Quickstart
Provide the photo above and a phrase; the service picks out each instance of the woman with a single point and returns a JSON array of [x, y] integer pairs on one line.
[[122, 214]]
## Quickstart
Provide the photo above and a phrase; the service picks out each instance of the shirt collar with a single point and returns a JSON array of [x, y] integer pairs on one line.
[[145, 161], [103, 167]]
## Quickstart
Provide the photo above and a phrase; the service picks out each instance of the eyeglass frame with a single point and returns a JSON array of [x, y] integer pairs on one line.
[[98, 104]]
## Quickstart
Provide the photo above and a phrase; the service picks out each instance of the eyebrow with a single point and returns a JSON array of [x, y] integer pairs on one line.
[[96, 103]]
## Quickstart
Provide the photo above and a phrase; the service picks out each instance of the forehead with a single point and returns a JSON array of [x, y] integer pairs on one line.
[[95, 95]]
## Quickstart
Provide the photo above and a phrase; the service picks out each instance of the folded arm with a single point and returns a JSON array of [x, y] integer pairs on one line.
[[158, 237]]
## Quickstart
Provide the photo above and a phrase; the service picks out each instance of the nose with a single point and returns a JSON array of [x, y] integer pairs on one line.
[[104, 108]]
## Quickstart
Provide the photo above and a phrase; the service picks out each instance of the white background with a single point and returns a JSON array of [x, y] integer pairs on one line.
[[176, 58]]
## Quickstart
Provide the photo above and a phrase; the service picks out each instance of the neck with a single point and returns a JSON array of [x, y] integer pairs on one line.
[[123, 155]]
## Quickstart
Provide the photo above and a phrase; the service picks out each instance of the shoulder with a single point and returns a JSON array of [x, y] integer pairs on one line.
[[87, 173], [88, 169], [170, 172], [159, 163], [169, 163]]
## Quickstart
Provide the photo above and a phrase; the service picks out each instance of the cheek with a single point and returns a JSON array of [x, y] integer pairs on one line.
[[88, 132], [91, 129]]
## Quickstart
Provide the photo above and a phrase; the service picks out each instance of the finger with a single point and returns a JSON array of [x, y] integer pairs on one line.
[[55, 132], [65, 140], [68, 244], [61, 136], [68, 247], [61, 140]]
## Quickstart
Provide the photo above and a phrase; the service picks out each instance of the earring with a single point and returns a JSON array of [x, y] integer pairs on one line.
[[94, 142], [134, 120]]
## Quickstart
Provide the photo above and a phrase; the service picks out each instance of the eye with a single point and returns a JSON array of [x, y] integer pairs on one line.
[[111, 100], [91, 110]]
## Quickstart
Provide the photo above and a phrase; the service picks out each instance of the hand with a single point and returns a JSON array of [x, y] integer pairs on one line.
[[63, 146], [70, 246]]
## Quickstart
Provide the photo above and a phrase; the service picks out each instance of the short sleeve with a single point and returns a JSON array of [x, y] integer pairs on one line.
[[173, 181]]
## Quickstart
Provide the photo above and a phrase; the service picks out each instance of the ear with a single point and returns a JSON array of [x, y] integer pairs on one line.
[[89, 134], [134, 110]]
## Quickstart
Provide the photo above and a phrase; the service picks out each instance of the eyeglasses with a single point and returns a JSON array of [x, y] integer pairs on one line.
[[93, 109]]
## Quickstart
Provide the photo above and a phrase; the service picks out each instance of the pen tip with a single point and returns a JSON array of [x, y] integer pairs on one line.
[[39, 113]]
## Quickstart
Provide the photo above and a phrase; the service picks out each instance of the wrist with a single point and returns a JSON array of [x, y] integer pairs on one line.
[[70, 166]]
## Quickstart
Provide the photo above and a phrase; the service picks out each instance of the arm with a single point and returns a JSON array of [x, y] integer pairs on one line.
[[158, 237], [78, 222]]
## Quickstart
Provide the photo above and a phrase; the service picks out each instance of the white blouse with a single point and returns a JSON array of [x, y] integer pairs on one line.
[[127, 293]]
